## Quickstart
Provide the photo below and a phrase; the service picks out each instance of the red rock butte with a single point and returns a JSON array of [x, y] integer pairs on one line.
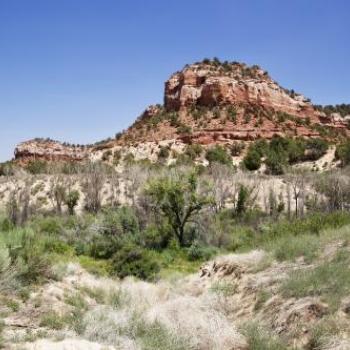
[[213, 102]]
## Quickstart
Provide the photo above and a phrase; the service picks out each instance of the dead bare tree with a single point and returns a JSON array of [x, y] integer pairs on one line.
[[18, 205], [24, 200], [335, 187], [222, 178], [297, 182], [94, 178], [115, 188], [12, 208], [134, 177], [57, 192]]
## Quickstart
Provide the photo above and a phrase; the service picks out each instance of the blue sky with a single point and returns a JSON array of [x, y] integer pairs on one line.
[[82, 70]]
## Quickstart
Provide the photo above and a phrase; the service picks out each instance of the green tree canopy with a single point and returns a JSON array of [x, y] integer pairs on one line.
[[178, 199]]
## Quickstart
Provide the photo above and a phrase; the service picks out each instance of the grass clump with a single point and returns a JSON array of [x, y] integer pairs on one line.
[[260, 339], [225, 289], [157, 337], [114, 297], [77, 301], [262, 297], [291, 248], [53, 320], [95, 267], [330, 281]]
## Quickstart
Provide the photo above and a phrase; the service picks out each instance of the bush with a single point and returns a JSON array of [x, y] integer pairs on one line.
[[193, 151], [28, 255], [218, 154], [116, 228], [199, 252], [179, 201], [164, 153], [252, 160], [132, 260], [342, 153], [71, 201], [50, 224], [283, 151], [315, 149], [119, 222], [184, 129], [156, 237], [37, 167], [6, 169], [275, 162]]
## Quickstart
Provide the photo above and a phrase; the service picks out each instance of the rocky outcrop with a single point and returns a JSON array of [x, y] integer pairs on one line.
[[210, 85], [49, 150], [212, 102]]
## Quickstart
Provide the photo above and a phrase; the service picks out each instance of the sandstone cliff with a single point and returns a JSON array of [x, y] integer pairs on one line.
[[214, 102], [211, 102], [49, 150]]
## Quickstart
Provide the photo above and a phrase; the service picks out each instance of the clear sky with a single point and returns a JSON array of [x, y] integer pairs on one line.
[[82, 70]]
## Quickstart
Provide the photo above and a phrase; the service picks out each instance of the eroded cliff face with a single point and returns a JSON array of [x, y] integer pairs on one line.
[[208, 103], [49, 150], [232, 84], [213, 102]]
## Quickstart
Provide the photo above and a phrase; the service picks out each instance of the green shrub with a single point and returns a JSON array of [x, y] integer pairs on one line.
[[184, 129], [295, 151], [121, 221], [199, 252], [6, 169], [275, 162], [232, 114], [96, 267], [342, 153], [164, 152], [6, 225], [132, 260], [51, 225], [315, 149], [236, 149], [193, 151], [37, 167], [252, 160], [156, 237], [101, 246], [218, 154], [57, 246], [29, 255], [268, 235], [178, 200], [71, 200]]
